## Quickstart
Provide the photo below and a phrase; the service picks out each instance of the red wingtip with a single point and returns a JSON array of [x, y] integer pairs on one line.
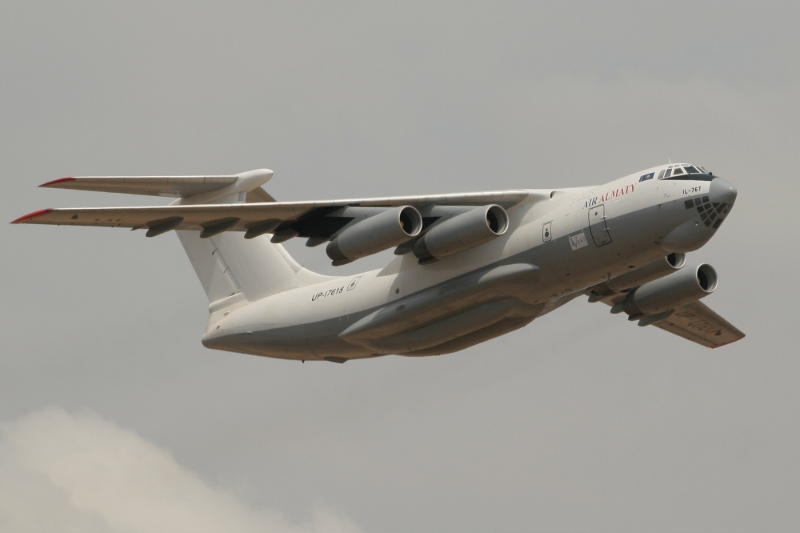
[[59, 180], [29, 216]]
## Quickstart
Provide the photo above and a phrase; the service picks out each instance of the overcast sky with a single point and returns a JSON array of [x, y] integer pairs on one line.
[[114, 418]]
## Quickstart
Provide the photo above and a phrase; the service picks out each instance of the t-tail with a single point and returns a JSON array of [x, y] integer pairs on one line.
[[231, 268]]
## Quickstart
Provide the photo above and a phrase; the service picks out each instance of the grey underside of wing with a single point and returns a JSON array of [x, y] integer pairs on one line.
[[695, 322]]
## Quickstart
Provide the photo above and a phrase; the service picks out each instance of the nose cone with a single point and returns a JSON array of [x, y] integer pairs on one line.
[[704, 218], [721, 191]]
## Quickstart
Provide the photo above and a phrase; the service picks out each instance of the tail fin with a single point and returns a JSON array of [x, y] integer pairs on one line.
[[230, 267]]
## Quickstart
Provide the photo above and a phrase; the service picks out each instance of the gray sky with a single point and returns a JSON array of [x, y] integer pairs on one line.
[[115, 418]]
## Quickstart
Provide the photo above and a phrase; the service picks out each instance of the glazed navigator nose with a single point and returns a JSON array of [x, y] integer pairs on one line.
[[721, 191]]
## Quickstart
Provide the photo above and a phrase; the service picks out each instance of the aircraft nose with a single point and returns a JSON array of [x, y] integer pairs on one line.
[[722, 191]]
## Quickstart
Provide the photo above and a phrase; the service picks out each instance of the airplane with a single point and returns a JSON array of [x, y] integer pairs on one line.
[[468, 268]]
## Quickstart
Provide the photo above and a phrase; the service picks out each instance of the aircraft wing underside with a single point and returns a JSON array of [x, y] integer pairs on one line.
[[694, 321], [698, 323]]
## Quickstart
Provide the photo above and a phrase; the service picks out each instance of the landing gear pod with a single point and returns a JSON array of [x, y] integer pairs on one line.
[[462, 232], [657, 269], [374, 234]]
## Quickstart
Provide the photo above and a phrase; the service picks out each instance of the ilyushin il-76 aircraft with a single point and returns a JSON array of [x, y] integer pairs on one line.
[[468, 267]]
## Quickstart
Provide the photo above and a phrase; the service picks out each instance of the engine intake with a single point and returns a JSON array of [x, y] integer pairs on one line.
[[670, 292], [462, 232], [374, 234]]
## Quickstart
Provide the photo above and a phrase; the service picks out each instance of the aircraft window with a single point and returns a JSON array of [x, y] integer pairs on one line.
[[661, 174], [690, 177], [686, 172]]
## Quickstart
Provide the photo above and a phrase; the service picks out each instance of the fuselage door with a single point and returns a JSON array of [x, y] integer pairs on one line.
[[597, 225]]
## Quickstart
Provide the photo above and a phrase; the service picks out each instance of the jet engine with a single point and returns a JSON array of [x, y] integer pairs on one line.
[[374, 234], [659, 268], [461, 232], [665, 294]]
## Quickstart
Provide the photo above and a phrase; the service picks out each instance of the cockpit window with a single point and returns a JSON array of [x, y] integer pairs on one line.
[[685, 171]]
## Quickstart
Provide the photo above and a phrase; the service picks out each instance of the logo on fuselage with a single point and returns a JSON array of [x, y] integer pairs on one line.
[[353, 283], [578, 241], [591, 202]]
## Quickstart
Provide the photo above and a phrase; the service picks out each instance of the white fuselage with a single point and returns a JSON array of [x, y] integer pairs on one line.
[[559, 247]]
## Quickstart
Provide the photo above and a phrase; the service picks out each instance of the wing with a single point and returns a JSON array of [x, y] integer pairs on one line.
[[314, 219], [695, 322]]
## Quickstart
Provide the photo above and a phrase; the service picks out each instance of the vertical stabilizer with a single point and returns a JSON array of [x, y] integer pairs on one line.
[[228, 263]]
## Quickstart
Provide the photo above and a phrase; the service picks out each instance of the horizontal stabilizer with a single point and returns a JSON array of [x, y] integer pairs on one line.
[[165, 186]]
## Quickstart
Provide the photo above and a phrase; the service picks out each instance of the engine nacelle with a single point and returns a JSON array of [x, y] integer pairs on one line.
[[374, 234], [659, 268], [461, 232], [670, 292]]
